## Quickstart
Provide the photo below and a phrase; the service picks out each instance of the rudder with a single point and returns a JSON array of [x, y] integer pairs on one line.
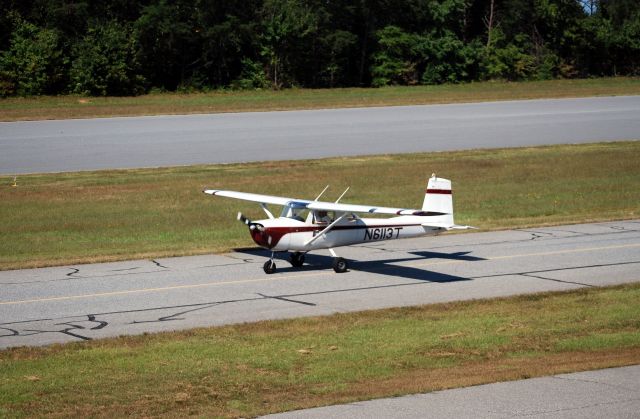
[[438, 198]]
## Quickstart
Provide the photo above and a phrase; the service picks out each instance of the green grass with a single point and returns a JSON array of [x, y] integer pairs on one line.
[[62, 107], [53, 219], [253, 369]]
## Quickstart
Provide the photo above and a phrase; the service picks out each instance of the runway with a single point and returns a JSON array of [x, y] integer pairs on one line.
[[108, 143], [73, 303]]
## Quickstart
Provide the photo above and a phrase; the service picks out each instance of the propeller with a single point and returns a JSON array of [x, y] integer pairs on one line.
[[249, 223]]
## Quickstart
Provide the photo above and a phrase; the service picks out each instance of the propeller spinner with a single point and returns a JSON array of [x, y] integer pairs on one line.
[[249, 223], [258, 233]]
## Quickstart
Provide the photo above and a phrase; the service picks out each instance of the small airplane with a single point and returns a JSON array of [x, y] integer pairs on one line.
[[305, 225]]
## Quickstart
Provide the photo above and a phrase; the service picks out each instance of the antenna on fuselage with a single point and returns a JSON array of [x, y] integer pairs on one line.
[[343, 193]]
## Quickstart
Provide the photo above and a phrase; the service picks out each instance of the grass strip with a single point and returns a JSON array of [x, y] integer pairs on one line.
[[66, 218], [253, 369], [64, 107]]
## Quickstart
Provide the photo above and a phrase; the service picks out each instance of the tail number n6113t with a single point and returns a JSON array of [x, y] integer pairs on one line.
[[382, 233]]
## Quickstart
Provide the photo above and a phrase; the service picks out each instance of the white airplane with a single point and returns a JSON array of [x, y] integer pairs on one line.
[[331, 224]]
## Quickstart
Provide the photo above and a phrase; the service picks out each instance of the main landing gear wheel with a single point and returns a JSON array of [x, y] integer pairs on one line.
[[340, 265], [269, 267], [296, 259]]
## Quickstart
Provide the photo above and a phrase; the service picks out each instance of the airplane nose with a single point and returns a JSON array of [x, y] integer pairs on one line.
[[260, 237]]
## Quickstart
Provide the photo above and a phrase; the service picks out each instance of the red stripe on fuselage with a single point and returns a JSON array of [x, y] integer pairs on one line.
[[440, 191], [276, 233]]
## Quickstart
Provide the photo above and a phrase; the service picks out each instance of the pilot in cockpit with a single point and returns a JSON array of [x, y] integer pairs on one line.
[[296, 214], [322, 217]]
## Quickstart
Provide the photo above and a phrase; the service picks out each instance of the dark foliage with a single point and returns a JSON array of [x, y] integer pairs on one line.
[[122, 47]]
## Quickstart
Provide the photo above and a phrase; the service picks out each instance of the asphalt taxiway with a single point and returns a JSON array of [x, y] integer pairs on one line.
[[109, 143], [608, 393], [73, 303]]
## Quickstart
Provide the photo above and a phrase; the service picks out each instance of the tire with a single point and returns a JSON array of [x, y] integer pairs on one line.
[[340, 265], [296, 259], [269, 267]]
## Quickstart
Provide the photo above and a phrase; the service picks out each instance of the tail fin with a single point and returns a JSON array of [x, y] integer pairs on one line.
[[438, 200]]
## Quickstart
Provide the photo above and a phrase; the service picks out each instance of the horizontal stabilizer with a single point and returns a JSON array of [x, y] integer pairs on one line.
[[458, 227], [447, 226]]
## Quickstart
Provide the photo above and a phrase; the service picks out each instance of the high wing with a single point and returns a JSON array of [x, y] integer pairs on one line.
[[317, 205], [330, 206], [262, 199]]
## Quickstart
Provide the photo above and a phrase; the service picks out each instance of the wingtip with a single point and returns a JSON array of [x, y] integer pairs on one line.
[[210, 191]]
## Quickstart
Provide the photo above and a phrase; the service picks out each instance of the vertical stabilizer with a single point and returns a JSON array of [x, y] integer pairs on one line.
[[438, 198]]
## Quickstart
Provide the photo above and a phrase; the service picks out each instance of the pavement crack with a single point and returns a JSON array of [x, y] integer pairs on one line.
[[548, 237], [101, 323], [283, 298], [382, 249], [66, 331], [245, 260], [620, 228], [570, 268], [158, 264], [586, 406], [577, 233], [535, 235], [12, 331], [173, 317], [86, 278], [583, 380], [556, 280]]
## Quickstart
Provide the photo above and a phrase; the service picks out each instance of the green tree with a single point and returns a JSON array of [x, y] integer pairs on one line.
[[395, 62], [169, 42], [285, 23], [447, 59], [626, 45], [507, 60], [33, 64], [105, 62], [229, 37], [251, 77], [337, 46]]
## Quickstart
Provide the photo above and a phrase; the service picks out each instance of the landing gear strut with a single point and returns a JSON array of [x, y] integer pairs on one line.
[[296, 259]]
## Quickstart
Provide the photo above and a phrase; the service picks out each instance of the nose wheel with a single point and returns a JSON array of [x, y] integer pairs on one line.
[[269, 267]]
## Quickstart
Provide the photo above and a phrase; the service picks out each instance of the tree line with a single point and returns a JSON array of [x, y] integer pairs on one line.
[[130, 47]]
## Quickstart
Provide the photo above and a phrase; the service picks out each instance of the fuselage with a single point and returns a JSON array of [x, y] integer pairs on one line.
[[289, 234]]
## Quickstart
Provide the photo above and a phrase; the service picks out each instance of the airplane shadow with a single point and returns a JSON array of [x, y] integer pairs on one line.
[[390, 267]]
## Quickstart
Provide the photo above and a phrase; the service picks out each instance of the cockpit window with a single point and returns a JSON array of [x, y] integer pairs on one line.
[[323, 217], [294, 213]]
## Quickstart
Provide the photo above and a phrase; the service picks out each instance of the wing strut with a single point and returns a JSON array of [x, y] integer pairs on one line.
[[326, 229], [322, 193], [343, 194], [264, 207]]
